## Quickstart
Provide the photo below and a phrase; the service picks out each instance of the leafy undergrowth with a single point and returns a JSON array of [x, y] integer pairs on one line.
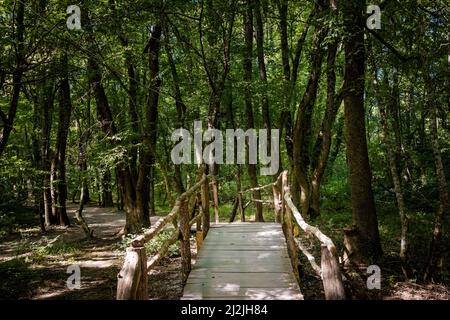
[[335, 217]]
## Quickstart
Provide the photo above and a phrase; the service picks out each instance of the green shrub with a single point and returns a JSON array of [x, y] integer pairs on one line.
[[156, 243], [7, 224]]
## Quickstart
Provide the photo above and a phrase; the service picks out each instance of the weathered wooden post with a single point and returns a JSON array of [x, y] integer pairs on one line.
[[205, 206], [289, 227], [281, 182], [331, 275], [132, 279], [241, 207], [277, 203], [185, 245], [198, 229]]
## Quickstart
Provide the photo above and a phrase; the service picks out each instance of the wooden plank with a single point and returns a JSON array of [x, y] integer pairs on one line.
[[244, 247], [246, 268], [200, 292], [256, 255], [249, 280], [243, 261], [239, 260]]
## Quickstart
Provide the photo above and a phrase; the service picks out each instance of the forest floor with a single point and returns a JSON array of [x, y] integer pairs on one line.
[[34, 266]]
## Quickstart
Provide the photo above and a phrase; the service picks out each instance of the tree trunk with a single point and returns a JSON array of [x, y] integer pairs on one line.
[[107, 196], [38, 199], [435, 252], [360, 177], [323, 142], [248, 53], [79, 213], [133, 222], [302, 128], [82, 160], [8, 119], [65, 111], [146, 170], [262, 71], [54, 186], [393, 149], [232, 124], [181, 114], [46, 105]]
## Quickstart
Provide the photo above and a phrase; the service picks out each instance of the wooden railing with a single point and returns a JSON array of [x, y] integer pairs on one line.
[[287, 214], [132, 278]]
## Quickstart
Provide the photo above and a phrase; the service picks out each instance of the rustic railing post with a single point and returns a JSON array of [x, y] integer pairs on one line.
[[205, 207], [289, 227], [199, 229], [331, 276], [277, 203], [282, 180], [132, 279], [185, 245], [241, 207]]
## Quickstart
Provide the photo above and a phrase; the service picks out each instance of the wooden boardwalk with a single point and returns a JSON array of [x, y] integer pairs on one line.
[[247, 261]]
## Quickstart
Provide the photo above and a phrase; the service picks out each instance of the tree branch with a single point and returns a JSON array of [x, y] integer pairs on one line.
[[397, 53]]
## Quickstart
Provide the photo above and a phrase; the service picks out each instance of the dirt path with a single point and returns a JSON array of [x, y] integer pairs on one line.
[[35, 265]]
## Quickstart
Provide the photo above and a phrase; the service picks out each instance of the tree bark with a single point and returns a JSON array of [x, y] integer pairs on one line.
[[360, 177], [248, 54], [107, 196], [181, 114], [65, 111], [46, 104], [435, 252], [302, 128], [133, 222], [323, 141], [394, 152], [262, 71], [145, 182], [8, 119]]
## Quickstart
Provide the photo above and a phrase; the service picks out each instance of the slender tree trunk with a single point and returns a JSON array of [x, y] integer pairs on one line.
[[399, 194], [79, 215], [248, 29], [65, 111], [232, 124], [107, 196], [323, 142], [434, 261], [84, 137], [302, 128], [262, 71], [338, 140], [38, 199], [181, 114], [46, 104], [360, 177], [285, 115], [54, 186], [216, 80], [145, 182], [8, 119], [133, 222]]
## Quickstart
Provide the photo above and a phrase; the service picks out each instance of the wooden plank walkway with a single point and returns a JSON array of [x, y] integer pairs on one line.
[[247, 261]]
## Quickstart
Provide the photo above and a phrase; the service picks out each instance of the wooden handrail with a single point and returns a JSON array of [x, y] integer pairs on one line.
[[305, 226], [329, 269], [166, 245], [132, 278], [257, 188], [139, 241]]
